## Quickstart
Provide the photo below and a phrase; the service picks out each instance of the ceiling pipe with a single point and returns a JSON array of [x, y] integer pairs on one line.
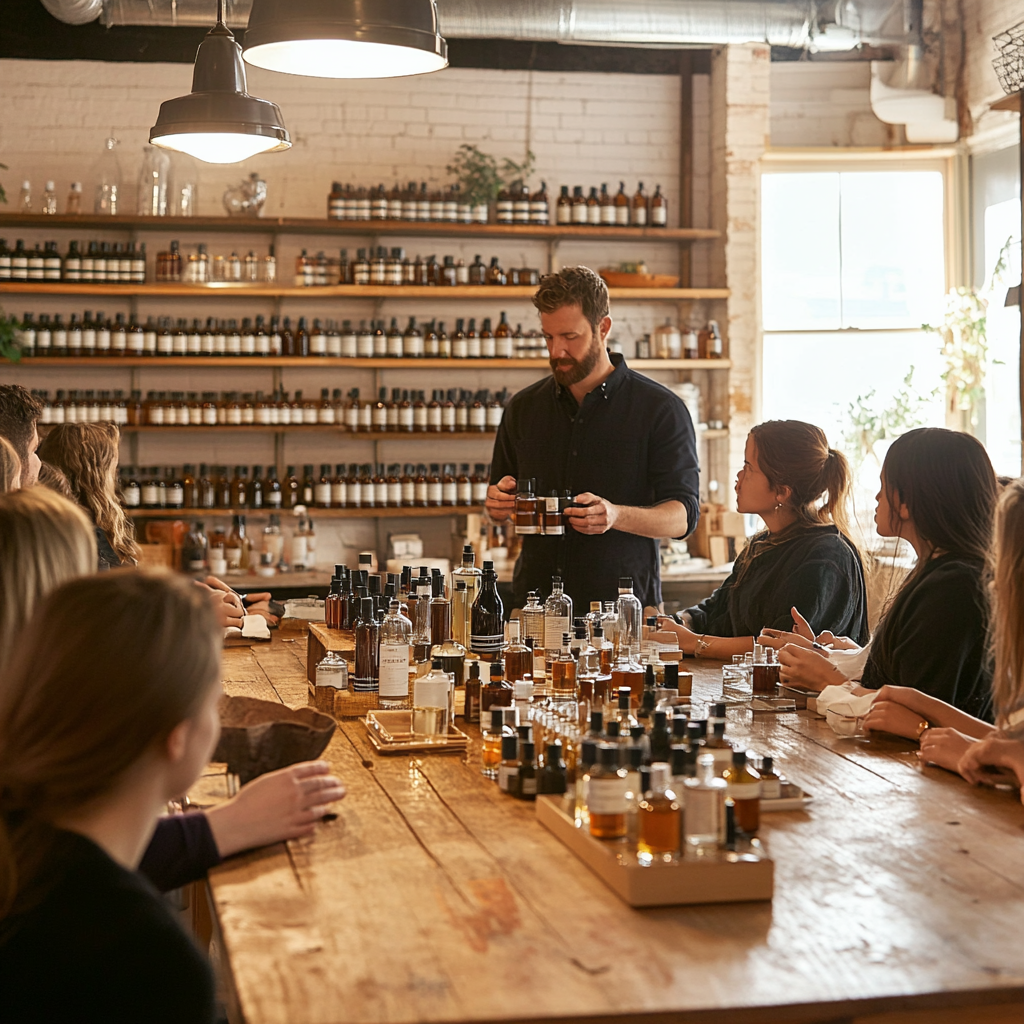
[[74, 12]]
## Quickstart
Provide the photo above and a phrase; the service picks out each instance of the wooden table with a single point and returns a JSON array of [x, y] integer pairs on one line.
[[899, 897]]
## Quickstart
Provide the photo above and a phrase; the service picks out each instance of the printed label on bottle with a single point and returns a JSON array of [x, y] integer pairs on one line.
[[528, 786], [659, 215], [478, 417], [744, 790], [771, 789], [508, 775], [434, 493], [322, 494], [554, 627], [479, 492], [607, 794], [196, 565], [394, 670], [487, 643]]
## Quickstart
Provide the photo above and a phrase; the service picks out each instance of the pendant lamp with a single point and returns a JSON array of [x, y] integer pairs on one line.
[[219, 122], [345, 38]]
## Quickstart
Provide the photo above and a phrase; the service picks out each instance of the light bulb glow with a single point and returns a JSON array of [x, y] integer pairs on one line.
[[220, 147], [343, 58]]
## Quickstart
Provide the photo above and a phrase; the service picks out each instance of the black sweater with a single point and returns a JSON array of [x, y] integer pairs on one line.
[[937, 632], [100, 946], [814, 569]]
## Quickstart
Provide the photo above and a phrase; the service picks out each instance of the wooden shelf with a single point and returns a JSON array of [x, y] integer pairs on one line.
[[718, 434], [350, 291], [271, 362], [316, 513], [303, 428], [367, 228]]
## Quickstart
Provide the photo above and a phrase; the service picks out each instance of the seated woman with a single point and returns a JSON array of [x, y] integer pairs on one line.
[[939, 493], [45, 541], [108, 711], [945, 732], [804, 556]]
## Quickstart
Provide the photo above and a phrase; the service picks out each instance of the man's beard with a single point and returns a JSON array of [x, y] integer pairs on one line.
[[569, 371]]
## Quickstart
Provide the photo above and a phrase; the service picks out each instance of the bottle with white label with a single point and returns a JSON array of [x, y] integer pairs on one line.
[[395, 638], [557, 620], [431, 696]]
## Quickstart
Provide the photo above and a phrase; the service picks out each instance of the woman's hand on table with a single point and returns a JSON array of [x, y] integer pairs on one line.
[[259, 604], [280, 805], [886, 715], [944, 747], [687, 637], [778, 638], [226, 606], [807, 667], [994, 759]]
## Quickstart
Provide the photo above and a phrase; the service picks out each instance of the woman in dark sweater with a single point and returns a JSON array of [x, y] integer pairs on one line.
[[803, 558], [108, 711], [938, 493]]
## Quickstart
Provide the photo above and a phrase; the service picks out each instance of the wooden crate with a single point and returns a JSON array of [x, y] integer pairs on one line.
[[661, 885], [321, 640]]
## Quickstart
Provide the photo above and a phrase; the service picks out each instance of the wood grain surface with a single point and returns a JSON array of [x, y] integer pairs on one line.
[[899, 897]]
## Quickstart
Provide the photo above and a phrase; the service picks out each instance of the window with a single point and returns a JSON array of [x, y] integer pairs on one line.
[[853, 264]]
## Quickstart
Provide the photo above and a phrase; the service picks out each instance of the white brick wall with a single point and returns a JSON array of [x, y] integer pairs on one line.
[[584, 129]]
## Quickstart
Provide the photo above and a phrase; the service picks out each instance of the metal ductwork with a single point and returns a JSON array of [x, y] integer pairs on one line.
[[838, 25]]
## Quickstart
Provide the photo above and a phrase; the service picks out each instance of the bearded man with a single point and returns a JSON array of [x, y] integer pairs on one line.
[[619, 444]]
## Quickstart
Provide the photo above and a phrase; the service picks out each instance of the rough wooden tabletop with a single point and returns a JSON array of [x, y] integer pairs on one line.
[[899, 896]]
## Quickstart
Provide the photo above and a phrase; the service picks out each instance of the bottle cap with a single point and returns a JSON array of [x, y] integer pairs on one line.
[[524, 731], [596, 721], [671, 675], [648, 676], [696, 729], [645, 779], [496, 669], [529, 750], [554, 753], [588, 752], [474, 670], [730, 825], [612, 730], [435, 663], [497, 719], [718, 710], [608, 755], [625, 583], [636, 733], [718, 730], [679, 727], [678, 760], [767, 763], [509, 747], [635, 755], [660, 719], [624, 695], [739, 758]]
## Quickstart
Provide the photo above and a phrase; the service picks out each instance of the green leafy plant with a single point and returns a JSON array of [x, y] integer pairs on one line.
[[9, 348], [872, 421], [480, 176]]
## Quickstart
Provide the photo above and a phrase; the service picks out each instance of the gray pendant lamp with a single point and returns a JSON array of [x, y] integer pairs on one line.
[[219, 122], [345, 38]]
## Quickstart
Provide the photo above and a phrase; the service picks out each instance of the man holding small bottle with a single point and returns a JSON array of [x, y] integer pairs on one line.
[[622, 444]]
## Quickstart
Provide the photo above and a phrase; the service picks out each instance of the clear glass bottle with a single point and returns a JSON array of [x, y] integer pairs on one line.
[[518, 657], [629, 618], [532, 623], [472, 578], [557, 621], [108, 176], [704, 798], [563, 670], [331, 679], [490, 748], [395, 640]]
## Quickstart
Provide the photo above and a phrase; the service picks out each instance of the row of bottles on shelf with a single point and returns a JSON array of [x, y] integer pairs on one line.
[[455, 410], [121, 262], [669, 342], [606, 210], [238, 550], [200, 267], [372, 339], [443, 205], [392, 267], [352, 485]]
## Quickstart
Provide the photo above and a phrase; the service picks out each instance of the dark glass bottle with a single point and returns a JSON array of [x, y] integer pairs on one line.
[[487, 632], [367, 630]]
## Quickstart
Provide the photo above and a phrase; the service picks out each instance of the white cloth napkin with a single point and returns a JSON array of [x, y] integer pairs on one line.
[[254, 627], [842, 701], [850, 663]]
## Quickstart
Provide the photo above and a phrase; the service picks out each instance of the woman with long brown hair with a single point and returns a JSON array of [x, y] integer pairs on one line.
[[108, 711], [10, 467], [804, 557], [938, 493], [87, 454]]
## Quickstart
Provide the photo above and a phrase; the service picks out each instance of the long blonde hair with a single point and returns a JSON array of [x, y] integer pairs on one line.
[[87, 455], [10, 467], [1007, 636], [110, 664], [45, 540]]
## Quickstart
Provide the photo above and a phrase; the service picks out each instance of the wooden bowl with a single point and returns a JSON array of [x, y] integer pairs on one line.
[[260, 736], [616, 279]]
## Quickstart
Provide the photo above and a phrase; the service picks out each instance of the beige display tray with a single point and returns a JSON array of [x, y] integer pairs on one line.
[[390, 732], [730, 878]]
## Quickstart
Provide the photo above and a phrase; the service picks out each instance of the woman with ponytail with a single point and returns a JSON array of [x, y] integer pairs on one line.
[[804, 557]]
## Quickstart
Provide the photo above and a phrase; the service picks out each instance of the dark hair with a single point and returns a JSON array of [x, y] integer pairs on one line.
[[54, 479], [947, 482], [574, 286], [19, 411], [109, 665]]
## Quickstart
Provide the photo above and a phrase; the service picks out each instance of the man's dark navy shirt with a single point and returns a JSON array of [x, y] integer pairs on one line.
[[631, 442]]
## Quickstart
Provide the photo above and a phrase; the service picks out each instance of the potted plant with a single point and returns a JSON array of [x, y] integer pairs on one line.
[[481, 178]]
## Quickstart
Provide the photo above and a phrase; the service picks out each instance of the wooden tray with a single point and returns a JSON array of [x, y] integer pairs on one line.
[[793, 798], [721, 880], [390, 732], [616, 279]]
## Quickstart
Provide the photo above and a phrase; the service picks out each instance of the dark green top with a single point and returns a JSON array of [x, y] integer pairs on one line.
[[812, 568]]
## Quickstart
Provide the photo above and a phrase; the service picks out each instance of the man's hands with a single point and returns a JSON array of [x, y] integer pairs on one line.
[[227, 605], [595, 515], [501, 499], [280, 805]]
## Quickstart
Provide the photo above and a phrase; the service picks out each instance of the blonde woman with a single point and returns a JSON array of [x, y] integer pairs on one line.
[[45, 541], [10, 467], [86, 453]]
